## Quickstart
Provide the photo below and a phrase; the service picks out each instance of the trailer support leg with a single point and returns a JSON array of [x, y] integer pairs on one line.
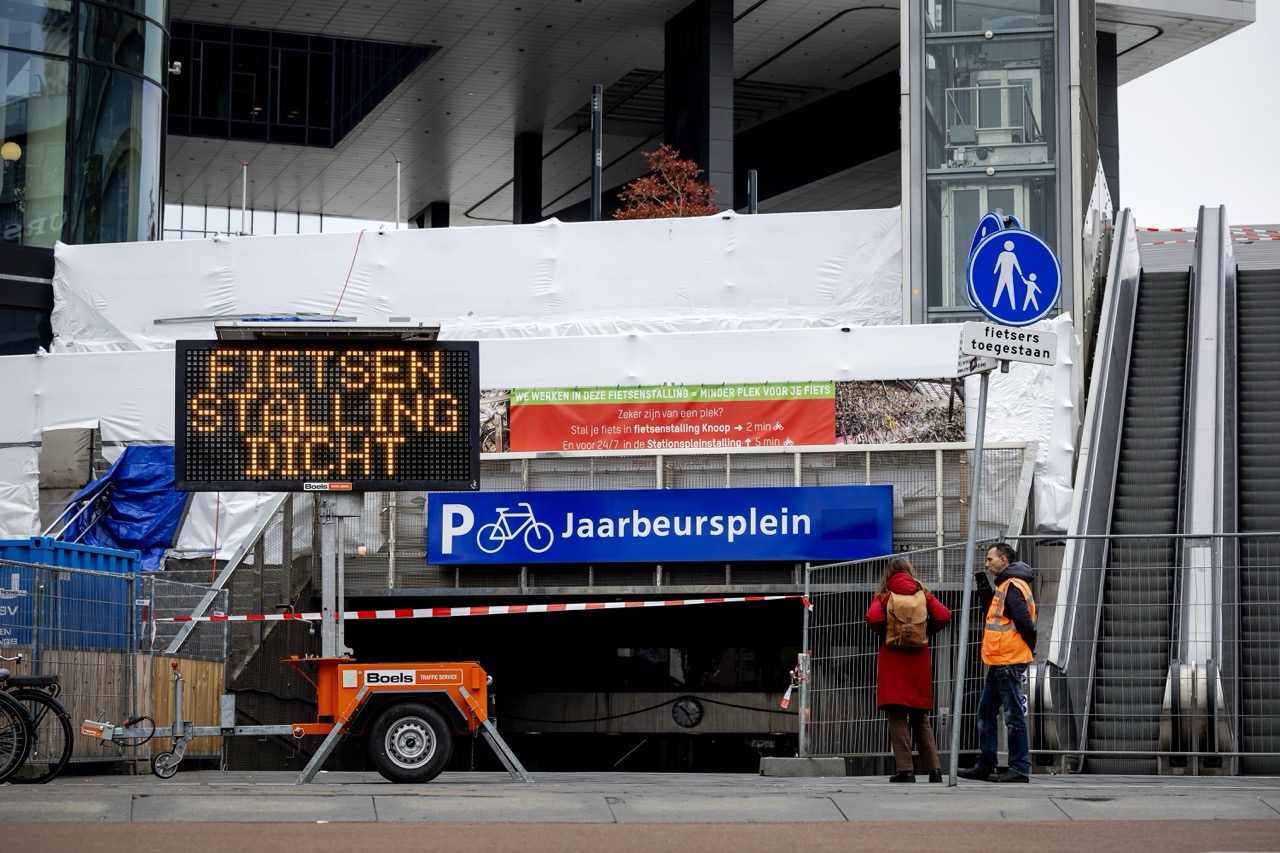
[[500, 748], [331, 740]]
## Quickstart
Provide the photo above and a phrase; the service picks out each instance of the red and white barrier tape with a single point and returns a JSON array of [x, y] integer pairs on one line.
[[481, 610], [1238, 235]]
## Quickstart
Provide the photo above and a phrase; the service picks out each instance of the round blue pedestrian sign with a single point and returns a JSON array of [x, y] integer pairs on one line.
[[1014, 277]]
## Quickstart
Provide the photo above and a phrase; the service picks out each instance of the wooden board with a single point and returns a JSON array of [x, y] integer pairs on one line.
[[202, 698]]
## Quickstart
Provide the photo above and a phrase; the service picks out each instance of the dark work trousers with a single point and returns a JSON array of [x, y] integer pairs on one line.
[[904, 722]]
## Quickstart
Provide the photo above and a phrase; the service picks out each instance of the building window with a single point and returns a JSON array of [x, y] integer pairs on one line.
[[119, 39], [115, 156], [289, 88], [989, 142], [970, 16], [33, 115]]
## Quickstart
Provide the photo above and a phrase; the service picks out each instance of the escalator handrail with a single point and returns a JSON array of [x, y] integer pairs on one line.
[[1099, 439]]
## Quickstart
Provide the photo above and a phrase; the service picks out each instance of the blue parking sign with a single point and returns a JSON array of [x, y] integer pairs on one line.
[[1014, 277]]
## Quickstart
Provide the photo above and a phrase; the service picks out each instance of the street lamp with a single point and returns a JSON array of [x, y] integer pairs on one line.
[[9, 153]]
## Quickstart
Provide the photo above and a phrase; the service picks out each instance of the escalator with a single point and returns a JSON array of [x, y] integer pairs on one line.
[[1135, 629], [1258, 383]]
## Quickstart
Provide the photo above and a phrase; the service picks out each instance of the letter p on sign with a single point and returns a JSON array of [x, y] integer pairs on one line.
[[456, 520]]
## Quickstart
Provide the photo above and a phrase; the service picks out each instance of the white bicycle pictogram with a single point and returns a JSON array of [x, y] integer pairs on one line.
[[537, 535]]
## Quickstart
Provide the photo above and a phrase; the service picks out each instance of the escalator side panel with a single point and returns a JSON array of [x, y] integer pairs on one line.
[[1134, 640]]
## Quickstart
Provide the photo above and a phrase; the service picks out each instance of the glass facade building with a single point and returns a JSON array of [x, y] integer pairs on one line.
[[81, 155], [89, 97], [986, 113], [82, 114]]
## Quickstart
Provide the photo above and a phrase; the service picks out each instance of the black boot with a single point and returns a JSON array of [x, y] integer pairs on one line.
[[976, 772], [903, 776], [935, 775]]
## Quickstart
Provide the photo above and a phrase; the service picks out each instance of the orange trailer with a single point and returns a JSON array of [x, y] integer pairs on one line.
[[408, 712]]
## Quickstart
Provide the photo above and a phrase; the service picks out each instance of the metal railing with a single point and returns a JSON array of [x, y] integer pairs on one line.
[[1174, 669], [386, 547]]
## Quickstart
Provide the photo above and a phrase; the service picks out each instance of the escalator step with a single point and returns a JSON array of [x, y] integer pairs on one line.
[[1258, 497]]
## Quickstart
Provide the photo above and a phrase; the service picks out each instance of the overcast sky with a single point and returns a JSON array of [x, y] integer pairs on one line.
[[1205, 129]]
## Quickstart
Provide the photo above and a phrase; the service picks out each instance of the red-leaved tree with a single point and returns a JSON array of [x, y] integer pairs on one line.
[[672, 189]]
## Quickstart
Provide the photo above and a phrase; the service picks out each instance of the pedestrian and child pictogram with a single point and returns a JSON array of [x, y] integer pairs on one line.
[[1014, 277], [987, 225]]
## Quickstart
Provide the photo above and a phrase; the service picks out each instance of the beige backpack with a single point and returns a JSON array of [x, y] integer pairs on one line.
[[907, 618]]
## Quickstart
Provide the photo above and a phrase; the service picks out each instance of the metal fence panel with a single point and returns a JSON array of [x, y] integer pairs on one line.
[[843, 718], [1172, 667], [96, 631]]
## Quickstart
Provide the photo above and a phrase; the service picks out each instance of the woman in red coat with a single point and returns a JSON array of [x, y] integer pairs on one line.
[[904, 677]]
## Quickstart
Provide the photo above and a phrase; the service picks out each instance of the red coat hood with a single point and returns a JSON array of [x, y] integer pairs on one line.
[[902, 583]]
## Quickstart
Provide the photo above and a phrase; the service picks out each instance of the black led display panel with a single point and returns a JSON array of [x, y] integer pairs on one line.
[[327, 415]]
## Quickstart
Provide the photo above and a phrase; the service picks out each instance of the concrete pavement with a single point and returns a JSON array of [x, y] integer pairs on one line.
[[200, 796]]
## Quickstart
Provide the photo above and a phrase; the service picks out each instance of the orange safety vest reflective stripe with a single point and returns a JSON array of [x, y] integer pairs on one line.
[[1001, 642]]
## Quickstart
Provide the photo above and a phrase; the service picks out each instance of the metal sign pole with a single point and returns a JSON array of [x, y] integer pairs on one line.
[[333, 508], [802, 664], [597, 148], [965, 599], [998, 256], [330, 542]]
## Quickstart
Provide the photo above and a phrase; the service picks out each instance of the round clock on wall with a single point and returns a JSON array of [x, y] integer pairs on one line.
[[686, 711]]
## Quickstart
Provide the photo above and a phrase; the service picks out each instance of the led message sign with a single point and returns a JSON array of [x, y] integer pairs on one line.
[[327, 415]]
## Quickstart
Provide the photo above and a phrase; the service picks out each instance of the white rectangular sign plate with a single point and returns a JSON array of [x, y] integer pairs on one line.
[[1007, 343]]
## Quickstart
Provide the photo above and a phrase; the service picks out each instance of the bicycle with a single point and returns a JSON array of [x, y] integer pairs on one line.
[[495, 534], [15, 734], [49, 742]]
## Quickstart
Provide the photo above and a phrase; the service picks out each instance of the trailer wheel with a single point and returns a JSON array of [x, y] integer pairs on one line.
[[164, 765], [410, 742]]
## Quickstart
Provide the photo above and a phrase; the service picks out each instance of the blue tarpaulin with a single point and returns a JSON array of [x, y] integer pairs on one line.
[[135, 506]]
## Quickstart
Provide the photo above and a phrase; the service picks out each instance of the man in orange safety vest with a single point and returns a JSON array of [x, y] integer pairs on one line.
[[1008, 647]]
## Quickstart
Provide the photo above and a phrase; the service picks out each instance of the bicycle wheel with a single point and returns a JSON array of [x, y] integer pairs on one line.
[[15, 735], [491, 538], [538, 537], [51, 743]]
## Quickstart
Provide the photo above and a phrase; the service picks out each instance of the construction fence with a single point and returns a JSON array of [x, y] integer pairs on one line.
[[101, 633], [1155, 655]]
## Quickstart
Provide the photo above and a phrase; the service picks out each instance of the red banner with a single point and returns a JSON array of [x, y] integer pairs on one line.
[[693, 417]]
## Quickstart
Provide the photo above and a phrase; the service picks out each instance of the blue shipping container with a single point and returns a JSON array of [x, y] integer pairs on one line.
[[66, 609]]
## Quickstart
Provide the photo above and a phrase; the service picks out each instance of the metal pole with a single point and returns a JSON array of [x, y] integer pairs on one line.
[[244, 194], [340, 598], [753, 188], [330, 545], [597, 148], [397, 192], [391, 542], [131, 629], [802, 737], [966, 598]]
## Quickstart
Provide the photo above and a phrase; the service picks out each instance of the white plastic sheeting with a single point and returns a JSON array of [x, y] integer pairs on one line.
[[806, 296], [550, 279], [119, 395], [1037, 402]]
